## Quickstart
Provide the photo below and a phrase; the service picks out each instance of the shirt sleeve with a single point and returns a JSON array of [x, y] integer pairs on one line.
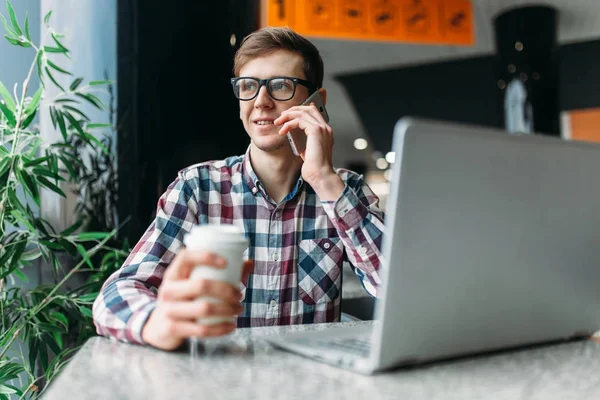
[[360, 223], [129, 295]]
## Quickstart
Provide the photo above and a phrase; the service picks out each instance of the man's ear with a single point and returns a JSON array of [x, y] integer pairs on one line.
[[323, 94]]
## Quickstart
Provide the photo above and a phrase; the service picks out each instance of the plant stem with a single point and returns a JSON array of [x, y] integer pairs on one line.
[[16, 131]]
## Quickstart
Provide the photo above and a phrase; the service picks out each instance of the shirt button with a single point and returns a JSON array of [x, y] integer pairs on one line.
[[327, 246], [273, 303], [362, 250], [275, 257], [254, 190]]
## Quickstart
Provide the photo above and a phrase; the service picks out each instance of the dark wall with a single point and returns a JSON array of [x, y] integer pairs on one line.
[[579, 65], [464, 91], [176, 106]]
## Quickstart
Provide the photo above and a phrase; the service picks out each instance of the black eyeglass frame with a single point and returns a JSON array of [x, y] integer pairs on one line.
[[265, 82]]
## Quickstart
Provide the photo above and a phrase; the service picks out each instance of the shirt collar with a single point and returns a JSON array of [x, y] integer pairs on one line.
[[249, 174], [254, 183]]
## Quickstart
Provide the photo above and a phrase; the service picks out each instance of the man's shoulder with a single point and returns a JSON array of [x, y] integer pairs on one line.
[[229, 165]]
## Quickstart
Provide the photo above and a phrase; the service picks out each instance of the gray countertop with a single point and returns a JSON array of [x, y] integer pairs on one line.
[[244, 366]]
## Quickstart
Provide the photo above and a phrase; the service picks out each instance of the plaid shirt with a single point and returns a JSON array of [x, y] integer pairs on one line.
[[298, 247]]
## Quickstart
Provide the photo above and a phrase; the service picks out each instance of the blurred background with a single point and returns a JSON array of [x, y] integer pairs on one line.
[[384, 59]]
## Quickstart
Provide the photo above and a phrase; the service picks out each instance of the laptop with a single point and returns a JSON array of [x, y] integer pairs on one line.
[[492, 242]]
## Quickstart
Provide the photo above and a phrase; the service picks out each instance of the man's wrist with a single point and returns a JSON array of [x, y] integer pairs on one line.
[[329, 187]]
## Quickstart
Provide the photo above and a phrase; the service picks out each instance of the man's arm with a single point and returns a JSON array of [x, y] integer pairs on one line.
[[129, 295], [360, 222]]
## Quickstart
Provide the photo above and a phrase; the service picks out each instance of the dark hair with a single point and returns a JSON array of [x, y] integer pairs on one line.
[[269, 39]]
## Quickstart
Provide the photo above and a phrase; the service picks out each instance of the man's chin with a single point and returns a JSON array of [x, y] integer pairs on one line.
[[270, 145]]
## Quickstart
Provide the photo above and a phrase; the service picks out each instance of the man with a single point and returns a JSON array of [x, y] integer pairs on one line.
[[303, 218]]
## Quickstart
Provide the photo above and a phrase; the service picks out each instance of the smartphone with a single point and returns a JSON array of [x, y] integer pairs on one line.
[[297, 137]]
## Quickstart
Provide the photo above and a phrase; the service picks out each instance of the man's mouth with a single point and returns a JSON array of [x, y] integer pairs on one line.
[[263, 122]]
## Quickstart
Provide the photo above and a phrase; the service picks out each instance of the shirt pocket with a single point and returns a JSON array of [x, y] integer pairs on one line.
[[320, 270]]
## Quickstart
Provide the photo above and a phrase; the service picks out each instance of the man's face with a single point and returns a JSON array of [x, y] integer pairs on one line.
[[258, 114]]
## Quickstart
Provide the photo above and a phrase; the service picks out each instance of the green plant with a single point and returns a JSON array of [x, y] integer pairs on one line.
[[41, 327]]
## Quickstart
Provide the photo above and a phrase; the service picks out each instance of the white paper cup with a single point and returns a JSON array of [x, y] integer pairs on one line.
[[229, 242]]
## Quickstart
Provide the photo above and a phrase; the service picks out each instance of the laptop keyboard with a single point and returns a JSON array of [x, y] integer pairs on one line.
[[358, 346]]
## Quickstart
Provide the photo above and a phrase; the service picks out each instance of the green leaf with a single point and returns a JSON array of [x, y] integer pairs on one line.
[[7, 97], [17, 272], [86, 236], [7, 27], [51, 245], [52, 79], [58, 43], [38, 61], [10, 117], [85, 311], [72, 228], [75, 84], [47, 17], [93, 100], [59, 317], [31, 255], [19, 248], [92, 126], [13, 19], [14, 42], [61, 124], [74, 123], [92, 138], [50, 49], [35, 100], [88, 297], [48, 173], [98, 83], [35, 161], [29, 119], [27, 34], [84, 255], [49, 341], [68, 165], [59, 69], [43, 354], [45, 182], [58, 339], [4, 165], [65, 101], [76, 111], [50, 328], [30, 185], [14, 200], [6, 390], [8, 252]]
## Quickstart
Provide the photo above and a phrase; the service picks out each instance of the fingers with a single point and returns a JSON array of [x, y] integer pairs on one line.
[[192, 310], [300, 117], [186, 260], [188, 329], [247, 269], [191, 289], [164, 332]]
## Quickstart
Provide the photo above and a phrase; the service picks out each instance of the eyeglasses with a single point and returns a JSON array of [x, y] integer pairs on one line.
[[280, 88]]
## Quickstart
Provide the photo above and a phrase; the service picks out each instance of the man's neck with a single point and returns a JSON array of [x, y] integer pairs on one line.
[[277, 171]]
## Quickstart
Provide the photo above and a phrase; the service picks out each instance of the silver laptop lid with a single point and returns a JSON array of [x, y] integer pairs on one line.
[[492, 241]]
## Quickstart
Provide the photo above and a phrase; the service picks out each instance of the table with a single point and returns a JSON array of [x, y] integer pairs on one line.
[[244, 366]]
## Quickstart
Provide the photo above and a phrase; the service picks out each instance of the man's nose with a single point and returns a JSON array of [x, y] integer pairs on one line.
[[263, 97]]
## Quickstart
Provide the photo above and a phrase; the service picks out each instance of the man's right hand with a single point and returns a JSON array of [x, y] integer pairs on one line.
[[174, 318]]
